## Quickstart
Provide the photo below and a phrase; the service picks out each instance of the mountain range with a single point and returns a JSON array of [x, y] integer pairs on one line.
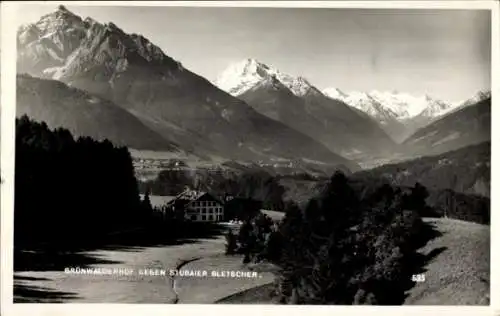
[[180, 106], [295, 102], [96, 80], [399, 113]]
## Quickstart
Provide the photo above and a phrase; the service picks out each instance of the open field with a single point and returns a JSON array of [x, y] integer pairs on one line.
[[52, 285], [56, 286]]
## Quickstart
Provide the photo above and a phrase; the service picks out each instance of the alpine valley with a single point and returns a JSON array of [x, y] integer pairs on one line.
[[333, 197], [96, 80]]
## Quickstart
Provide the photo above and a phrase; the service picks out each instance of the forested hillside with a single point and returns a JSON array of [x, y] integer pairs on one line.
[[466, 170]]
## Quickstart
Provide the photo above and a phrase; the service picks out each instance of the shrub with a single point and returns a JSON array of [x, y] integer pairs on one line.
[[231, 243]]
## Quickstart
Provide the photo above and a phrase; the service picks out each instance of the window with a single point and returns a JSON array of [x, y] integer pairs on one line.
[[210, 217], [210, 210], [193, 217], [203, 210], [203, 217]]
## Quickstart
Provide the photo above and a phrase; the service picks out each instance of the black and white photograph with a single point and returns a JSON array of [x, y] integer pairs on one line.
[[183, 154]]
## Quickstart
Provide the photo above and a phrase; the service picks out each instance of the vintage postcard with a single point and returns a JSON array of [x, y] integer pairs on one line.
[[235, 153]]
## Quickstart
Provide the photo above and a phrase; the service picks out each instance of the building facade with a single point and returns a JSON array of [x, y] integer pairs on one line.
[[198, 206]]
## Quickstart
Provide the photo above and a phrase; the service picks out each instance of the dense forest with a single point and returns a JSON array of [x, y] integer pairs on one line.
[[342, 248], [71, 190]]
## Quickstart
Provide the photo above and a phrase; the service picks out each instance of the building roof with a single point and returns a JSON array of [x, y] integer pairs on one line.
[[192, 195]]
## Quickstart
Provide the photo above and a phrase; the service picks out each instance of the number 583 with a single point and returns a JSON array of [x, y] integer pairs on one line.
[[418, 277]]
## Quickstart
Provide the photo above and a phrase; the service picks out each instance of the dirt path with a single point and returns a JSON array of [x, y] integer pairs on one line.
[[211, 289], [174, 277]]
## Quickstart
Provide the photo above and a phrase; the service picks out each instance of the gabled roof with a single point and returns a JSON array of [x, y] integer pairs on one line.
[[192, 195]]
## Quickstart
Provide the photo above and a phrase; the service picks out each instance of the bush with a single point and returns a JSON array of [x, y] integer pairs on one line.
[[231, 243]]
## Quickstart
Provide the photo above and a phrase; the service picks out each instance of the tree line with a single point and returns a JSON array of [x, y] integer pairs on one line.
[[271, 191], [342, 247], [254, 185]]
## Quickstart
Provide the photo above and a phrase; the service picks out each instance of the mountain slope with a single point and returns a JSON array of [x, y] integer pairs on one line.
[[297, 103], [478, 97], [465, 170], [467, 126], [399, 114], [83, 114], [178, 104]]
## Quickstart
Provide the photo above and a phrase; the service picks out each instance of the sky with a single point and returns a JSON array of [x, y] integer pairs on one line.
[[443, 53]]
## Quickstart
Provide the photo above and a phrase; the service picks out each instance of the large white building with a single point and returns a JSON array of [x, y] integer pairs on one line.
[[198, 206]]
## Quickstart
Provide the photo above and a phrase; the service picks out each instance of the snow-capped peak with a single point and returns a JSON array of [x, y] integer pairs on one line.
[[335, 93], [396, 104], [242, 76]]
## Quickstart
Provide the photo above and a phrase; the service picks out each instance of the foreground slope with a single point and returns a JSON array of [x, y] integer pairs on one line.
[[176, 103], [460, 273], [83, 114]]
